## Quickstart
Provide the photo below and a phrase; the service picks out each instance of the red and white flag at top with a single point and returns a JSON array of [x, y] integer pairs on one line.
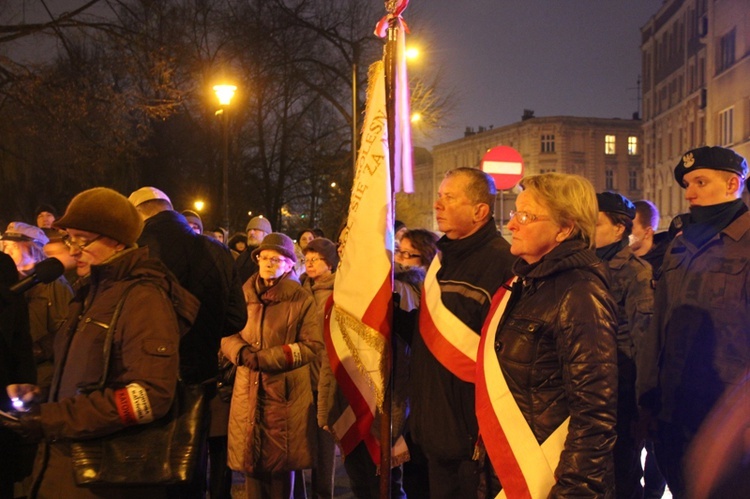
[[358, 324]]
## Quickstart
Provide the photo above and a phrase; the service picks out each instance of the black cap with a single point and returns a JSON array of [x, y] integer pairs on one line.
[[711, 158], [613, 202]]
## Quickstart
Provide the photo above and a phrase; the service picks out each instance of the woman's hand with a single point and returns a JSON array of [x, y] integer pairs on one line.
[[249, 358]]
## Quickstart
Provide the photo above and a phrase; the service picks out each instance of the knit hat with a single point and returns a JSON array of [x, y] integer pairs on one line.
[[325, 248], [45, 208], [613, 202], [712, 158], [259, 223], [193, 217], [19, 231], [278, 242], [147, 194], [103, 211]]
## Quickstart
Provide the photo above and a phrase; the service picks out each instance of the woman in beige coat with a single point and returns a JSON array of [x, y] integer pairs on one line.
[[272, 416]]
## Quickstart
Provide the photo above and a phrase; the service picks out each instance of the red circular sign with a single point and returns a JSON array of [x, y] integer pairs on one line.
[[505, 165]]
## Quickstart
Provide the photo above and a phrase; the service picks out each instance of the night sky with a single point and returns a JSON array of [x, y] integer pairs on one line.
[[557, 57]]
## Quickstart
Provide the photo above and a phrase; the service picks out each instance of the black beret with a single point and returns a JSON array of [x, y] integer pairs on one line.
[[613, 202], [711, 158]]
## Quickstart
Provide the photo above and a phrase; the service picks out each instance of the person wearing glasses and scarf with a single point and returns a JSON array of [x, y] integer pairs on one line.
[[555, 343], [272, 416]]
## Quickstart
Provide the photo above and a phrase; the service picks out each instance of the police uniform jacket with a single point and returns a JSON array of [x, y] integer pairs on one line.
[[701, 344]]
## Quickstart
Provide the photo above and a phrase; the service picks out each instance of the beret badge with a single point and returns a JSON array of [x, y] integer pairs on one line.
[[688, 160]]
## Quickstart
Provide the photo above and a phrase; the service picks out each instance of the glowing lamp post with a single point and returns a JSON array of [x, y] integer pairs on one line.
[[225, 93]]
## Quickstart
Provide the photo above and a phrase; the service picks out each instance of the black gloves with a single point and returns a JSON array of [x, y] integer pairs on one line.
[[28, 425]]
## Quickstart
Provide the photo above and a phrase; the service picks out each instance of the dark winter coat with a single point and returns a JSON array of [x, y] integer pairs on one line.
[[272, 417], [443, 421], [556, 347], [156, 312], [204, 267], [701, 341]]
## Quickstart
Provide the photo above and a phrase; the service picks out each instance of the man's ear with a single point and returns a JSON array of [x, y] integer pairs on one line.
[[734, 185], [481, 212]]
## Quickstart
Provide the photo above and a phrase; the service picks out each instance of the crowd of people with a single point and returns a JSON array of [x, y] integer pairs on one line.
[[540, 368]]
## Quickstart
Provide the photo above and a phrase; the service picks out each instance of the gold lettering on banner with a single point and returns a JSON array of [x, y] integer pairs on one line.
[[357, 335]]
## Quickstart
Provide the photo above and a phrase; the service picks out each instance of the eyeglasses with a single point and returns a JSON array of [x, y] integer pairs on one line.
[[406, 254], [310, 261], [79, 246], [275, 260], [524, 217]]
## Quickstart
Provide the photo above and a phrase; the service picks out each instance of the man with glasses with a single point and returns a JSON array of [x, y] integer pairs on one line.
[[473, 262], [103, 228]]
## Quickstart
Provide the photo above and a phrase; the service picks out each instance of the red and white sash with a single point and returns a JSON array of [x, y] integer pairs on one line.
[[525, 468], [452, 342]]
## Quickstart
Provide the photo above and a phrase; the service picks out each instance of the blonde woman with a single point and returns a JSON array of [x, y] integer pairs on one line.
[[556, 341]]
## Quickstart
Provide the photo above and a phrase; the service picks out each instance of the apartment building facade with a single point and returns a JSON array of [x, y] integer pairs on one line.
[[696, 69], [606, 151]]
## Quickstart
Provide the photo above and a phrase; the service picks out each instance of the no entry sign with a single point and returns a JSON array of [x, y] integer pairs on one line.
[[505, 165]]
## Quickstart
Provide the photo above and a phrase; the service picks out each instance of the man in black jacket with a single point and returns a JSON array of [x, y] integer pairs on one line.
[[203, 267], [475, 262], [206, 269]]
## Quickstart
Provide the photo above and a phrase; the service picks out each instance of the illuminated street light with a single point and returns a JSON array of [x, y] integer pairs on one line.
[[416, 117], [412, 53], [225, 93], [199, 205]]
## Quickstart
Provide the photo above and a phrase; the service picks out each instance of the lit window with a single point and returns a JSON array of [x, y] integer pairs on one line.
[[726, 129], [548, 143], [609, 179], [632, 145], [609, 144]]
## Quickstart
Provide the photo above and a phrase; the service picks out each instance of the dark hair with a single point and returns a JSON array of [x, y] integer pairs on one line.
[[620, 219], [302, 232], [481, 188], [237, 237], [649, 213], [423, 241], [318, 232]]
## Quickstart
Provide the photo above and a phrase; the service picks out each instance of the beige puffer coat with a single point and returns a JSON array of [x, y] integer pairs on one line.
[[272, 418]]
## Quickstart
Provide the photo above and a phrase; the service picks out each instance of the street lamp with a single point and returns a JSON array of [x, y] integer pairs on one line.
[[225, 93], [199, 205]]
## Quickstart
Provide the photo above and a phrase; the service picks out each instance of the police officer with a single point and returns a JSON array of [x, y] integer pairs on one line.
[[701, 344], [630, 286]]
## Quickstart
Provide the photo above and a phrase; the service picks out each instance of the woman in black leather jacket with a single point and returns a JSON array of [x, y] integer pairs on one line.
[[556, 340]]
